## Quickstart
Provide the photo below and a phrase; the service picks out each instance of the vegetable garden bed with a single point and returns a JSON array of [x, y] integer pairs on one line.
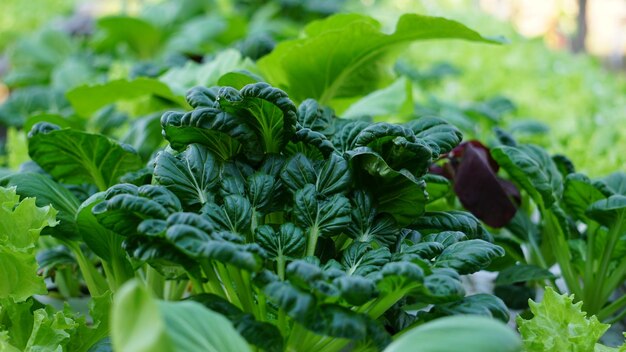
[[214, 184]]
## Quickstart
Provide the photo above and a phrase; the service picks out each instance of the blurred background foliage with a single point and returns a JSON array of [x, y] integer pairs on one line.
[[533, 87]]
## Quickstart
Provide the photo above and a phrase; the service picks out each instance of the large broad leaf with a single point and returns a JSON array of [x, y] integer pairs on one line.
[[88, 99], [77, 157], [22, 221], [353, 67], [469, 256], [159, 326], [459, 333], [479, 304], [190, 175], [141, 36], [262, 334], [533, 169], [48, 192]]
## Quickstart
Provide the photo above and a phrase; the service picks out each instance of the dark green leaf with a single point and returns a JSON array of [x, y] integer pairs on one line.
[[533, 169], [190, 175], [469, 256]]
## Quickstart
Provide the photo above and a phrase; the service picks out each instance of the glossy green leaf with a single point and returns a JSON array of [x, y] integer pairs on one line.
[[160, 326], [225, 135], [316, 117], [441, 135], [288, 242], [359, 259], [459, 333], [354, 66], [77, 157], [221, 247], [478, 304], [234, 215], [190, 175], [437, 221], [125, 206], [532, 168], [326, 216], [469, 256], [367, 225], [446, 238]]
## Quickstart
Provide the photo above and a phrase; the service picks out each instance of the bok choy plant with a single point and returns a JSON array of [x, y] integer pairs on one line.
[[307, 231]]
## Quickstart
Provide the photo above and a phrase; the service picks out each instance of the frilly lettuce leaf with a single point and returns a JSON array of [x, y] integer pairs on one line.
[[19, 231], [559, 324]]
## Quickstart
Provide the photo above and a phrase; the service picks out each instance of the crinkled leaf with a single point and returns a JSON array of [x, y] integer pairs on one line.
[[289, 241], [266, 110], [439, 134], [532, 168], [22, 222], [367, 225], [469, 256], [222, 133], [437, 221], [359, 259], [479, 304], [235, 215], [190, 175], [125, 206], [327, 216]]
